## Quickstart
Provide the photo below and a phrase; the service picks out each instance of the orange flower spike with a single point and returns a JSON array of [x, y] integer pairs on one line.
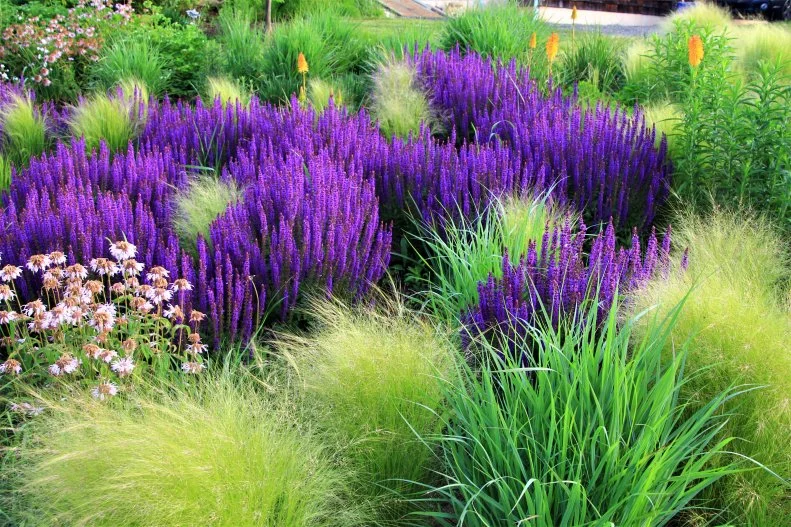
[[574, 12], [695, 51], [553, 46], [302, 64], [533, 41]]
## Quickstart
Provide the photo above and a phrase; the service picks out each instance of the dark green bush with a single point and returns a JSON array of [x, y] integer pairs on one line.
[[594, 59], [329, 43]]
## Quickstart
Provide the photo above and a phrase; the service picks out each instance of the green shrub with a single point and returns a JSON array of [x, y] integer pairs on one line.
[[190, 55], [102, 118], [137, 59], [330, 45], [462, 254], [373, 379], [199, 205], [217, 453], [291, 9], [397, 103], [739, 326], [596, 59], [500, 31], [242, 47], [734, 143], [24, 130], [227, 90], [587, 431]]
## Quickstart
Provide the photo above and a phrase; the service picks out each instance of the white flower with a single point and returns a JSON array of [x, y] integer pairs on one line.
[[159, 295], [10, 272], [105, 390], [54, 369], [11, 366], [192, 367], [26, 408], [8, 317], [6, 293], [103, 266], [103, 318], [107, 355], [33, 308], [57, 257], [197, 348], [38, 262], [131, 267], [157, 272], [123, 250], [181, 284], [124, 366]]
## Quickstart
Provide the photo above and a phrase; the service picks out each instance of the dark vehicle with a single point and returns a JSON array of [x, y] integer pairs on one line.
[[772, 9]]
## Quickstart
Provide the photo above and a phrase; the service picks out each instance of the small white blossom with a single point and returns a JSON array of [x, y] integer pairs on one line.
[[123, 250], [123, 366], [105, 390], [192, 367]]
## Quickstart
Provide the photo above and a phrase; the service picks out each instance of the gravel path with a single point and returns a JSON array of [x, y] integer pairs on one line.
[[621, 31]]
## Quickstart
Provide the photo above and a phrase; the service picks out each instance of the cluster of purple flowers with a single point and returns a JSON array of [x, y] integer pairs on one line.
[[554, 282], [601, 160], [308, 214]]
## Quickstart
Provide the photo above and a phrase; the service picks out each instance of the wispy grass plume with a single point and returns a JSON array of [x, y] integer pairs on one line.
[[24, 129], [397, 103], [199, 205], [103, 118]]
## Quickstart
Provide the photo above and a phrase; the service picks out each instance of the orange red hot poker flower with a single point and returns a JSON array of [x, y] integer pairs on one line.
[[553, 46], [695, 46], [532, 43], [302, 64]]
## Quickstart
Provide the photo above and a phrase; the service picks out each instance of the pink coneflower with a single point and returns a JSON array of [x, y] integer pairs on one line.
[[105, 390], [11, 366], [77, 271], [103, 318], [6, 294], [25, 408], [6, 317], [131, 267], [123, 250], [118, 288], [159, 295], [36, 307], [92, 350], [38, 262], [174, 313], [107, 355], [181, 284], [65, 364], [192, 367], [123, 366], [196, 316], [157, 272], [10, 272], [57, 257], [103, 266]]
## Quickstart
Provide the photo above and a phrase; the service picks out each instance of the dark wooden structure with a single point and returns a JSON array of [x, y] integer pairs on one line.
[[643, 7]]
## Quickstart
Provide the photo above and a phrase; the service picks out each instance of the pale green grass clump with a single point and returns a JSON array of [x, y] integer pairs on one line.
[[320, 92], [373, 379], [762, 42], [24, 129], [218, 453], [703, 14], [666, 117], [198, 205], [397, 102], [463, 253], [102, 118], [134, 89], [738, 319], [227, 90]]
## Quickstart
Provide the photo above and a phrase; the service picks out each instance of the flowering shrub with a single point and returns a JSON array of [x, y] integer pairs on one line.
[[99, 323], [59, 49], [603, 160], [559, 279]]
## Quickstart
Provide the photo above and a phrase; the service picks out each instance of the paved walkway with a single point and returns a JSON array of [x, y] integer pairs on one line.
[[559, 15], [409, 9]]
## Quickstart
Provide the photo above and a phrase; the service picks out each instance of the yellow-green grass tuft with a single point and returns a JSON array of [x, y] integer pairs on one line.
[[134, 89], [320, 92], [5, 173], [397, 103], [737, 317], [373, 379], [666, 117], [24, 129], [227, 90], [762, 42], [217, 453], [704, 14], [102, 118], [198, 205]]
